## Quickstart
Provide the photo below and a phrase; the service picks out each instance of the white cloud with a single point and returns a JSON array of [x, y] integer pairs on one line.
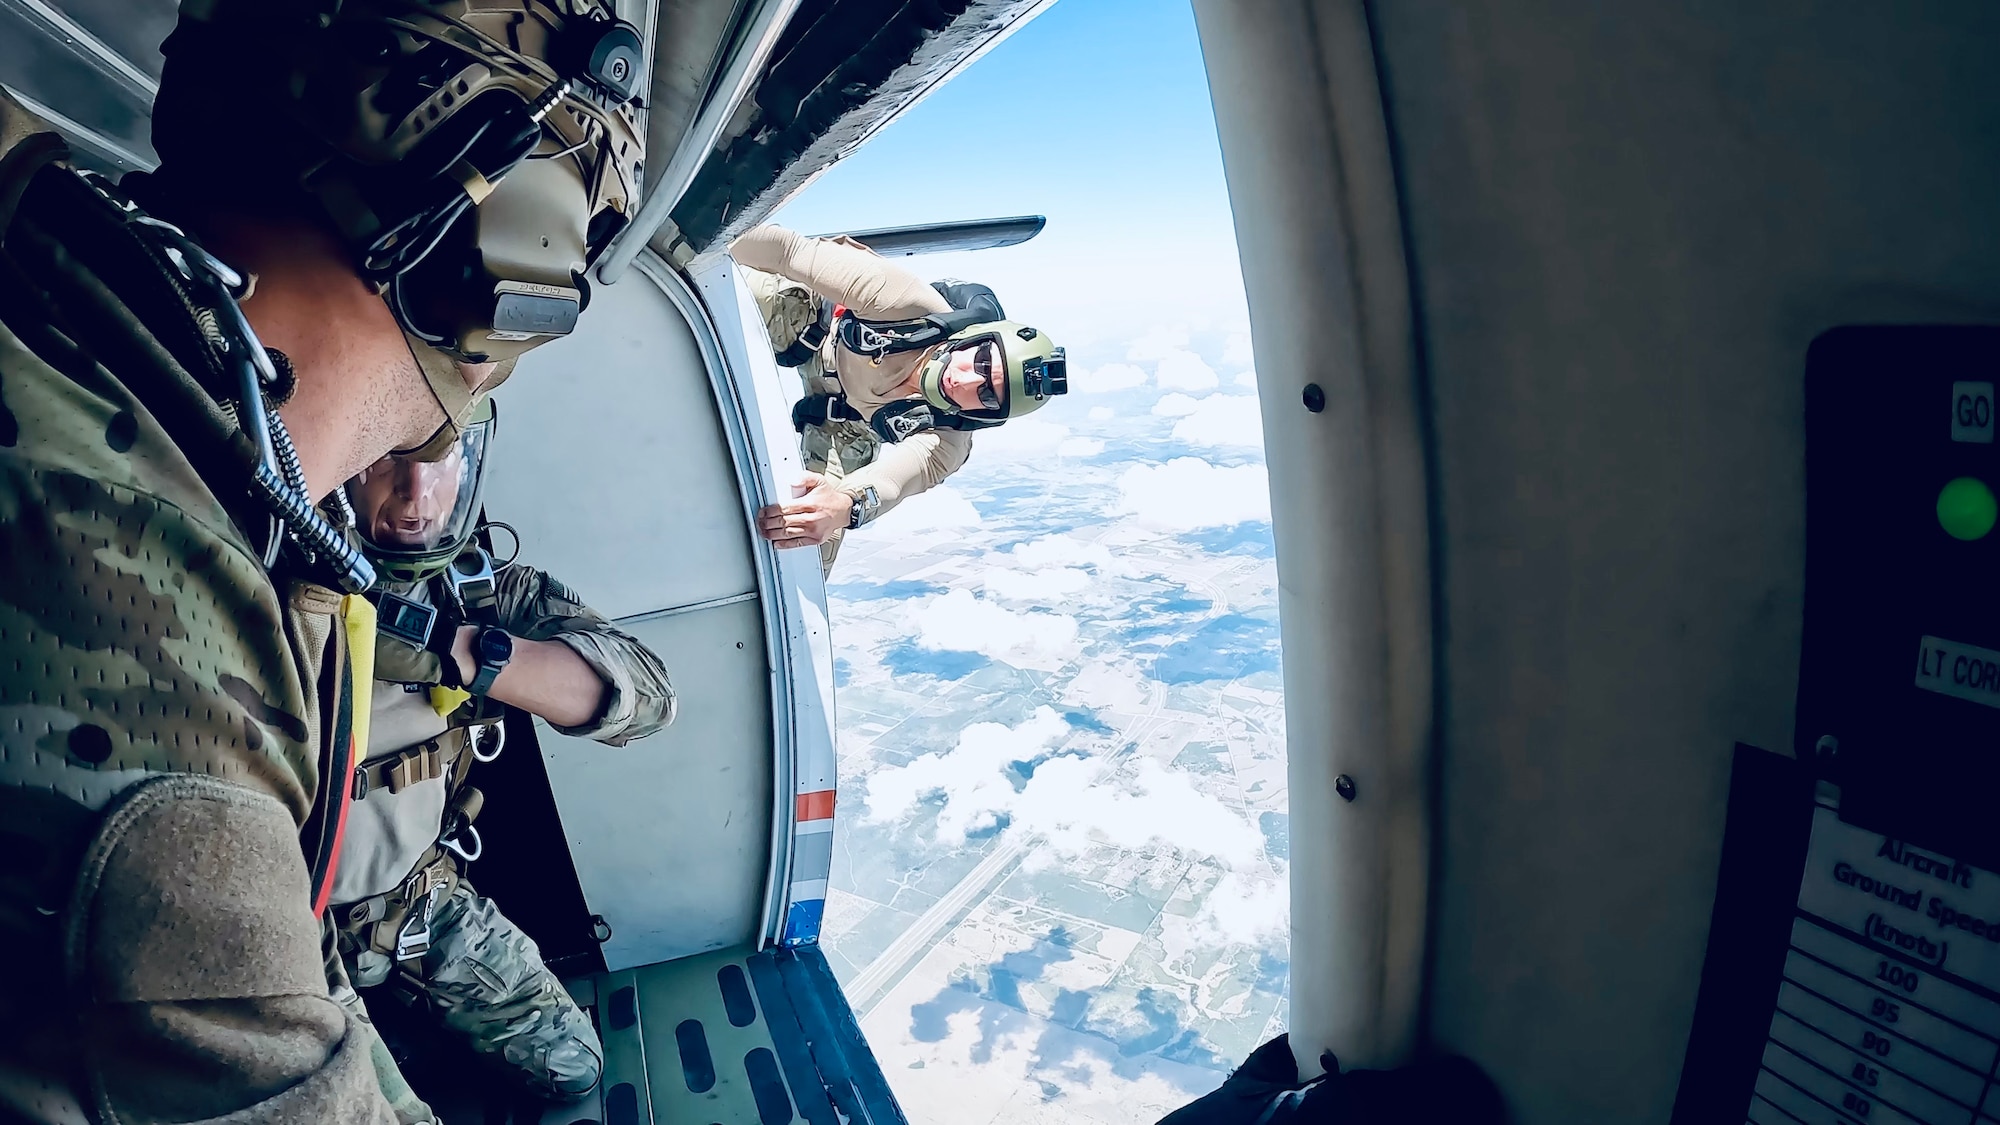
[[1245, 907], [1246, 378], [941, 507], [960, 622], [1074, 806], [972, 776], [1103, 413], [1159, 343], [1176, 406], [1188, 493], [1184, 371], [1110, 377], [1236, 350], [1051, 584], [1059, 550], [1022, 435], [1223, 420], [1080, 447], [1072, 803]]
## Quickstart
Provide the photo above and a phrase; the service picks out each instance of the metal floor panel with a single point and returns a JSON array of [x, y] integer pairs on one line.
[[731, 1038]]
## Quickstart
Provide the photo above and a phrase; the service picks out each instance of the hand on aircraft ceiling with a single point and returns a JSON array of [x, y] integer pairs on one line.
[[818, 508]]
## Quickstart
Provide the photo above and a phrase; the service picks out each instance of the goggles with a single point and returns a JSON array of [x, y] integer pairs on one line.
[[988, 373]]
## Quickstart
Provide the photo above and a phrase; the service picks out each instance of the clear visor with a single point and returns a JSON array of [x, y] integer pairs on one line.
[[406, 506]]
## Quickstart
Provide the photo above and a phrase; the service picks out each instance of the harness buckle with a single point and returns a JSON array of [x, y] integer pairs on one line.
[[414, 939]]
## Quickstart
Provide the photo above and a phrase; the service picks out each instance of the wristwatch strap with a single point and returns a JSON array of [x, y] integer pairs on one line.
[[482, 681]]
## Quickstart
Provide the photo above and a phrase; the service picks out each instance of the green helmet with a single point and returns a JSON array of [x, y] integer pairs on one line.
[[1034, 369], [415, 515]]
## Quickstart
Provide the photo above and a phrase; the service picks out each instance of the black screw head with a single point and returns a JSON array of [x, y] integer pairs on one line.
[[1315, 400], [1344, 785]]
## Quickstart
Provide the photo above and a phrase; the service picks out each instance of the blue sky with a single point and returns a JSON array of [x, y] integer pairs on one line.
[[1099, 113]]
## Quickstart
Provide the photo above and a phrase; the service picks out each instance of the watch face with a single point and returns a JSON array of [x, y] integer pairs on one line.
[[495, 646]]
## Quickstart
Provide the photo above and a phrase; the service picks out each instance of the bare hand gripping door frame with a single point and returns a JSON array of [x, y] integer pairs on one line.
[[1349, 503]]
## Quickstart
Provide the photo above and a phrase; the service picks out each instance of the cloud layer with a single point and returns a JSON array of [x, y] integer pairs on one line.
[[961, 622], [1070, 802], [1224, 420], [1188, 493], [1184, 371]]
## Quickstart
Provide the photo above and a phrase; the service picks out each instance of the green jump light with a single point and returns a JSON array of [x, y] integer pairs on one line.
[[1966, 509]]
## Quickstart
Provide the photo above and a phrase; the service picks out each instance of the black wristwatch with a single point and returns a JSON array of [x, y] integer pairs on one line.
[[492, 649], [866, 502]]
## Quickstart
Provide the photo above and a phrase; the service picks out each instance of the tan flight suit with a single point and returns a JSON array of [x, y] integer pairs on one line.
[[163, 705], [478, 973], [873, 288]]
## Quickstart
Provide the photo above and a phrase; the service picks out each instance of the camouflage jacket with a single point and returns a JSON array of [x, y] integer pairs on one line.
[[162, 703], [533, 605], [391, 831], [640, 698]]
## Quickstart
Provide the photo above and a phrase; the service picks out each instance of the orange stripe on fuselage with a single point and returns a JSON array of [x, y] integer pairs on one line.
[[815, 806]]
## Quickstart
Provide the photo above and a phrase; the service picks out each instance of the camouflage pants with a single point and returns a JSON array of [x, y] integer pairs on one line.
[[484, 980]]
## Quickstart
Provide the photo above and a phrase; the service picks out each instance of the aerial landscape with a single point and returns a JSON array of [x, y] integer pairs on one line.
[[1059, 875]]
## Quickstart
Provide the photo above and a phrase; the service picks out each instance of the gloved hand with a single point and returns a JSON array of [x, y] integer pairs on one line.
[[401, 662]]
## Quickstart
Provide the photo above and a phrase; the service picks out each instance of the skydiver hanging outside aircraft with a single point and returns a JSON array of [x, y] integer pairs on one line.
[[180, 713], [898, 376], [455, 631]]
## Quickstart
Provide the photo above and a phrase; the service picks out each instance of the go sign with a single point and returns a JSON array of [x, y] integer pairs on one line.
[[1972, 412]]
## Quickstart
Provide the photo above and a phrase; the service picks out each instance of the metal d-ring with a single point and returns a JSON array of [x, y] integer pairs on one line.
[[499, 742], [452, 845]]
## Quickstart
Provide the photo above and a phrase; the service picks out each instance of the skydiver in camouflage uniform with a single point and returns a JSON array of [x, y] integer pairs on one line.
[[898, 376], [408, 916], [175, 699]]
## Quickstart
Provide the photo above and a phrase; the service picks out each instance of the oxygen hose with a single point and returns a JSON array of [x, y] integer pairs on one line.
[[277, 477]]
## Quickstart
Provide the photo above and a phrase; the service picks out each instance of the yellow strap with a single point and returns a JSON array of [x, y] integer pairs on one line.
[[357, 615], [445, 700]]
